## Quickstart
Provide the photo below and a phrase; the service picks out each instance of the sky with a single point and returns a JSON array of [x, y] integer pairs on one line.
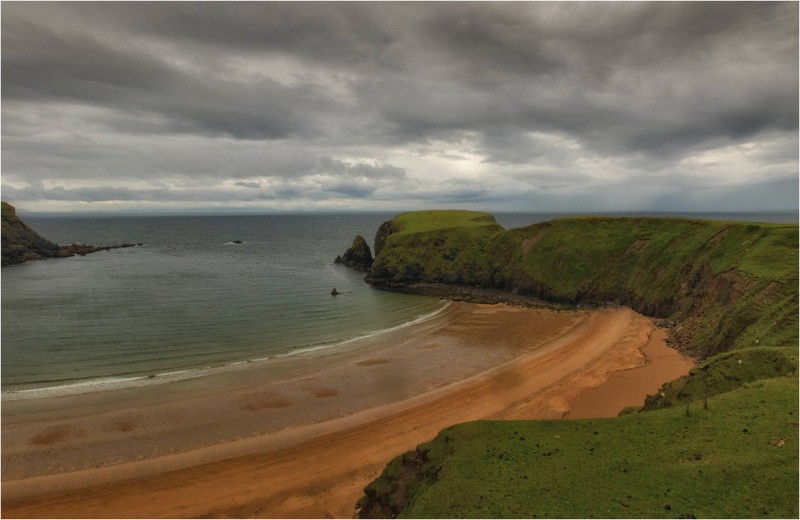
[[521, 106]]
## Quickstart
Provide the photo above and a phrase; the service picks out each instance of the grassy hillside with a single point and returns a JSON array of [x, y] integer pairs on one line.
[[443, 246], [736, 459], [722, 284], [720, 442], [725, 372]]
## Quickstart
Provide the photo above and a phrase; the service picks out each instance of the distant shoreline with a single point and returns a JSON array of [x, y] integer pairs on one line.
[[518, 217]]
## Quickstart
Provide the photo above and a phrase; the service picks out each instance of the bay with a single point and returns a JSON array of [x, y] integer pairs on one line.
[[189, 297]]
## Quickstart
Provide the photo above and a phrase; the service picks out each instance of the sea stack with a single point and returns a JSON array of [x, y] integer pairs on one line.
[[358, 255]]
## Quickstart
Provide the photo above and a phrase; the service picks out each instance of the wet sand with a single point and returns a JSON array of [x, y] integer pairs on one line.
[[301, 436]]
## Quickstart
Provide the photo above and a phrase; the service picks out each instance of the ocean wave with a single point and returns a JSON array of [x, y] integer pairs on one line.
[[415, 321], [104, 384]]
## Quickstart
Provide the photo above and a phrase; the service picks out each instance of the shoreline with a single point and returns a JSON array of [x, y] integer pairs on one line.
[[241, 445], [123, 382]]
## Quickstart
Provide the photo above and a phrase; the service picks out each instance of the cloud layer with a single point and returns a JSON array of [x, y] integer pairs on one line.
[[502, 106]]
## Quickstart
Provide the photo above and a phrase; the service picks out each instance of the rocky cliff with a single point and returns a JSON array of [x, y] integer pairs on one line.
[[20, 243]]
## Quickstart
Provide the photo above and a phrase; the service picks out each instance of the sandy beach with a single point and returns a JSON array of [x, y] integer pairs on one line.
[[301, 436]]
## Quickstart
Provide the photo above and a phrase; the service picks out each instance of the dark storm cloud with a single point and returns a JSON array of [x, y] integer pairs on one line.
[[41, 66], [621, 77], [433, 101]]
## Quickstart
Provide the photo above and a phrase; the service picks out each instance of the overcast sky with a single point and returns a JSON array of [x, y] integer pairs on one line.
[[367, 106]]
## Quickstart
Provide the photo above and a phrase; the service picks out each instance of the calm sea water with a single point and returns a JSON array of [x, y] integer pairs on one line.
[[190, 298]]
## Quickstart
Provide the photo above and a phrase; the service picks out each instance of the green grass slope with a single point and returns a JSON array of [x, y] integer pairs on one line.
[[724, 373], [443, 246], [736, 459], [722, 284]]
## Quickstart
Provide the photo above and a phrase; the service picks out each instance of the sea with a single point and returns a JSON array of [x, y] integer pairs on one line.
[[200, 294]]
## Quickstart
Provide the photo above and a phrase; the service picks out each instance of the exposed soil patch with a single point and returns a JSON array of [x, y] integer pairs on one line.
[[528, 243], [637, 245], [716, 239]]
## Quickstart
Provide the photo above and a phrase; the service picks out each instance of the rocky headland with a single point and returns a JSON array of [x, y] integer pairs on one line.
[[21, 243], [727, 292], [717, 285]]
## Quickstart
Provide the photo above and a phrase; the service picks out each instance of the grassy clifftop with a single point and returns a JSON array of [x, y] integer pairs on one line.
[[720, 442], [438, 246], [721, 284]]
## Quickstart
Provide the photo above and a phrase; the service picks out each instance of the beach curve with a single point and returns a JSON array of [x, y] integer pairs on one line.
[[349, 413]]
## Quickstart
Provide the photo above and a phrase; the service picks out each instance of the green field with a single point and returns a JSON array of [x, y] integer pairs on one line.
[[437, 220], [720, 442]]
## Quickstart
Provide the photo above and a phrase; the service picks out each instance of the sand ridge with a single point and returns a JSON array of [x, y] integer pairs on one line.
[[307, 441]]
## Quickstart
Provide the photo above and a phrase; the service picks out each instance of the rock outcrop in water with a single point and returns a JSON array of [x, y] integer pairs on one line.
[[358, 255], [21, 243]]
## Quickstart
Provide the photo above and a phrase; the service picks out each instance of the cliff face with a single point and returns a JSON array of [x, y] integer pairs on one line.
[[719, 284], [21, 243]]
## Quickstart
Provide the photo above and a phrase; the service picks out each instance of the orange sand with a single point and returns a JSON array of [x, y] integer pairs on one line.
[[302, 436]]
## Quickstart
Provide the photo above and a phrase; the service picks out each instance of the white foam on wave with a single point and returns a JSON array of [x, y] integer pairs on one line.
[[101, 385], [415, 321], [118, 383]]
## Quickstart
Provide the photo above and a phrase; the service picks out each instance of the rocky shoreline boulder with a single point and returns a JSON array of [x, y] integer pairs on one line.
[[358, 255]]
